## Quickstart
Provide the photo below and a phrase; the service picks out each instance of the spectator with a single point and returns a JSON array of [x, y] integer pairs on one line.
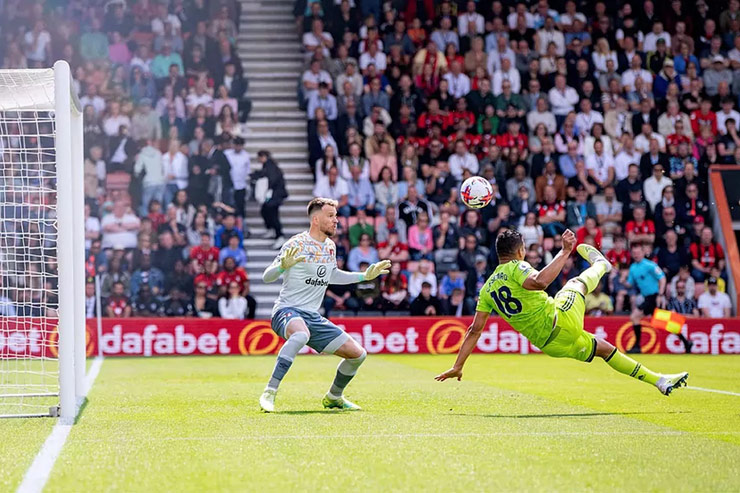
[[421, 244], [363, 252], [149, 166], [713, 303], [426, 303], [233, 305], [275, 195], [367, 292], [146, 304], [640, 229], [551, 213], [240, 168], [361, 227], [531, 231], [339, 296], [394, 290], [117, 305], [598, 303], [120, 227], [334, 187], [361, 196], [706, 254]]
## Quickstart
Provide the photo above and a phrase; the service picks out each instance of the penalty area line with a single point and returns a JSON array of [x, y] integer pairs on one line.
[[38, 473], [714, 391]]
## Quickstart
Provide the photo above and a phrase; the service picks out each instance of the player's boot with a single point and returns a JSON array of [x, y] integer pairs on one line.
[[267, 400], [667, 383], [340, 403], [592, 255]]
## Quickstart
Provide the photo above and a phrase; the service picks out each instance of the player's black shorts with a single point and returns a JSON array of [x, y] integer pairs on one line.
[[649, 304]]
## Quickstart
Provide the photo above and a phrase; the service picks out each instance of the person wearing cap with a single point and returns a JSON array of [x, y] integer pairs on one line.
[[714, 74], [657, 58], [666, 75], [713, 303]]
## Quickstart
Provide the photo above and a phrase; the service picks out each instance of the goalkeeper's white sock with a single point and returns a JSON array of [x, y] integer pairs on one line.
[[285, 358], [345, 372]]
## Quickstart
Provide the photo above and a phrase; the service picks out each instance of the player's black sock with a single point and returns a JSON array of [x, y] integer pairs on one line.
[[638, 333], [686, 343]]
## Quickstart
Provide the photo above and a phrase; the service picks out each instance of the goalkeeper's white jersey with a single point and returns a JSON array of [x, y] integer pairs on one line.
[[304, 284]]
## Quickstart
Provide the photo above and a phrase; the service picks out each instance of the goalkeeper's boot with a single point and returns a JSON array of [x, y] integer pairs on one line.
[[592, 255], [267, 400], [341, 403], [667, 383]]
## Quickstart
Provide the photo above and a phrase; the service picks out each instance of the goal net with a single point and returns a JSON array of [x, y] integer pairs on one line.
[[41, 244]]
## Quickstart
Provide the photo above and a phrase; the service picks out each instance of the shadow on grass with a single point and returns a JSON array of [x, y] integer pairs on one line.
[[81, 410], [567, 415], [313, 411]]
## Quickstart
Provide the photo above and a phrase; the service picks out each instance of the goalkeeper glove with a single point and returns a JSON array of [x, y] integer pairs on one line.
[[290, 258], [377, 269]]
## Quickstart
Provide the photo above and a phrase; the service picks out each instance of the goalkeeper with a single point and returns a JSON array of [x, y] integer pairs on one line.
[[308, 264], [555, 325]]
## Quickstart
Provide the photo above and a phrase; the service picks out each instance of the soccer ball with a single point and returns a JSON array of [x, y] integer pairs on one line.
[[476, 192]]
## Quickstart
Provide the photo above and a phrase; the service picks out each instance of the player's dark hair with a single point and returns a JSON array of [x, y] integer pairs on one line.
[[508, 243], [318, 203]]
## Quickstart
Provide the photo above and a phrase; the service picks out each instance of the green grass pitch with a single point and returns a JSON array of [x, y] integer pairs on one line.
[[514, 423]]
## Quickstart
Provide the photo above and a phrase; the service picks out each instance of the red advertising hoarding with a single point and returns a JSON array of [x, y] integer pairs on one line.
[[391, 335]]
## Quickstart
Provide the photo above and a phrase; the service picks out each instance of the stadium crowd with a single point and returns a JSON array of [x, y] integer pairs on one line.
[[164, 100], [601, 117]]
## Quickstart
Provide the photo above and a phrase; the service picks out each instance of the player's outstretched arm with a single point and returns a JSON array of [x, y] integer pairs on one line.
[[375, 270], [471, 339], [283, 262], [540, 280]]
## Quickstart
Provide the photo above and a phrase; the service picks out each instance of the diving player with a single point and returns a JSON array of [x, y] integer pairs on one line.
[[555, 325]]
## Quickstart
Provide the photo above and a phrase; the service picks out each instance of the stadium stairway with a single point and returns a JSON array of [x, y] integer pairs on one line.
[[270, 50]]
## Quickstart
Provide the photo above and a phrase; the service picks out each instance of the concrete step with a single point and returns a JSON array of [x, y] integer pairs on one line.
[[286, 220], [272, 85], [288, 230], [277, 23], [266, 289], [262, 126], [274, 76], [251, 55], [268, 136], [253, 68], [297, 178], [266, 46], [274, 94], [272, 115], [261, 17], [266, 301], [283, 146]]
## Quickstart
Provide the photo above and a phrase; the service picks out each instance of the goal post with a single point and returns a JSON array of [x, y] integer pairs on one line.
[[42, 300]]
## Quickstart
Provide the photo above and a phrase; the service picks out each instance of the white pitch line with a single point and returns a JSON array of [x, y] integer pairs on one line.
[[427, 435], [715, 391], [38, 473]]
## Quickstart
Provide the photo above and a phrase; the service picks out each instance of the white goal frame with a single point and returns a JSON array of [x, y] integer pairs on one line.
[[56, 94]]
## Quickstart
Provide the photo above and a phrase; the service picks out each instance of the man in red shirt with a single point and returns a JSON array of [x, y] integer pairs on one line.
[[232, 273], [706, 254], [551, 213], [640, 229], [513, 138], [425, 121], [393, 249], [205, 252], [117, 304], [703, 117]]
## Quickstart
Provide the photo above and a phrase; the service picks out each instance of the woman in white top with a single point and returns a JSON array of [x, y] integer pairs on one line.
[[224, 99], [175, 166], [234, 305], [597, 133], [386, 192], [324, 164], [601, 54], [169, 98], [114, 120], [531, 231], [228, 122], [92, 227]]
